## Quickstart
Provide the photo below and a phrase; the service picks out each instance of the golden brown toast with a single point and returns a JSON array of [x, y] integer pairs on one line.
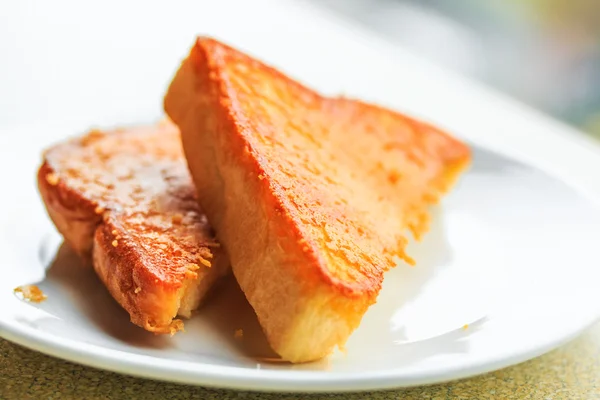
[[310, 196], [126, 200]]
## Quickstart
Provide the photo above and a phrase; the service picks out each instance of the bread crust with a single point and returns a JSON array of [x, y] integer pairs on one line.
[[72, 214], [124, 201], [311, 196]]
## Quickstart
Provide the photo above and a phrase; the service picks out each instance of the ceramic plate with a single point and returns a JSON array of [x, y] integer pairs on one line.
[[508, 271]]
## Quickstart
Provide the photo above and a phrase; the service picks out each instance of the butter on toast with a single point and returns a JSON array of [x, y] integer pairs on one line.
[[311, 196], [125, 200]]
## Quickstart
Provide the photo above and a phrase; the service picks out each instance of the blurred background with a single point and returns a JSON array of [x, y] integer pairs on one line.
[[546, 53], [111, 59]]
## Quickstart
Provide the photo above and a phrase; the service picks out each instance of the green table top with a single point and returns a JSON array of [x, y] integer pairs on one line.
[[570, 372]]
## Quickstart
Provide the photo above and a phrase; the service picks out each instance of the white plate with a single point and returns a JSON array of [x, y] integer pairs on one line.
[[512, 254]]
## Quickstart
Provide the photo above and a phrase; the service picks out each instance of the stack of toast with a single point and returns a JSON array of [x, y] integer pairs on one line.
[[308, 198]]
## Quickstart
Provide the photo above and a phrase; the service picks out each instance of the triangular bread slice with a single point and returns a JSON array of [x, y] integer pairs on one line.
[[125, 199], [310, 196]]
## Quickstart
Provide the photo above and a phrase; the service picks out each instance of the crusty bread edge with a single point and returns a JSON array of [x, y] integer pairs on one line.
[[297, 311], [73, 215], [120, 266]]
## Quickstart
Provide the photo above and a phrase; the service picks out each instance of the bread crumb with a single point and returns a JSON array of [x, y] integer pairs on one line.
[[118, 237], [176, 325], [177, 218], [190, 275], [137, 290], [31, 293], [52, 179], [114, 232], [128, 176], [394, 177], [103, 156], [193, 267], [261, 177], [73, 172], [238, 334], [115, 243], [406, 258], [91, 137], [205, 262], [99, 210]]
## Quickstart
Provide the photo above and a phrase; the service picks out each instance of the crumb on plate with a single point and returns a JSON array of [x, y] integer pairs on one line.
[[31, 293]]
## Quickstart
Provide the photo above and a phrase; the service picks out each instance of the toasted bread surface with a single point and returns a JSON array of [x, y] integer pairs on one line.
[[311, 196], [125, 200]]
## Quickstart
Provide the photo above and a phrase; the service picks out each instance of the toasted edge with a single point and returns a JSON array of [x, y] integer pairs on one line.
[[73, 215], [121, 268]]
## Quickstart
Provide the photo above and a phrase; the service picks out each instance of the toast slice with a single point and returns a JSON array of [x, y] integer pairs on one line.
[[311, 196], [125, 200]]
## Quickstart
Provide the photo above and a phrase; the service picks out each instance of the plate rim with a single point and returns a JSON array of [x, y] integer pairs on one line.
[[238, 378]]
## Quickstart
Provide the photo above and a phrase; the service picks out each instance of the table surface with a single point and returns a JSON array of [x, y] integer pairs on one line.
[[570, 372]]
